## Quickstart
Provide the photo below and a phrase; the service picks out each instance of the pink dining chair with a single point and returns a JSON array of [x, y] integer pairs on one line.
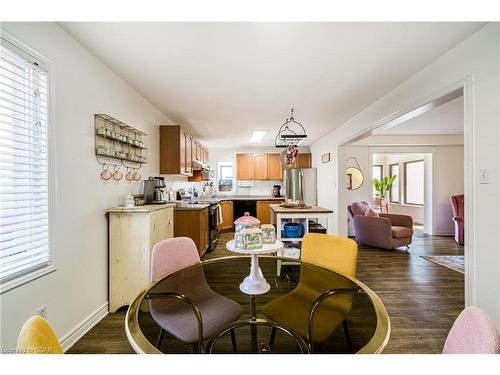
[[472, 333], [177, 315]]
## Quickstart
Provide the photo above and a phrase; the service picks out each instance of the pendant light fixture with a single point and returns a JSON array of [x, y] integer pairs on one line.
[[291, 133]]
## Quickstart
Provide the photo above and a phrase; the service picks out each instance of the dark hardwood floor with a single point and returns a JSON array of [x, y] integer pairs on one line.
[[422, 298]]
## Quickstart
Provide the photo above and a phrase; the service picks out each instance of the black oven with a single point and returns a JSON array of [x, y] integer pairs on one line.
[[213, 228]]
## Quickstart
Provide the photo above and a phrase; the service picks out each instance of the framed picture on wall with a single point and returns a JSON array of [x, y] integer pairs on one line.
[[325, 158]]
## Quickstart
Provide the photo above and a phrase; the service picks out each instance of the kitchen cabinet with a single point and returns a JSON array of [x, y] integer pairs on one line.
[[132, 235], [244, 167], [175, 151], [227, 209], [193, 224], [274, 168], [178, 150], [259, 167], [204, 155], [303, 160], [189, 155], [264, 211]]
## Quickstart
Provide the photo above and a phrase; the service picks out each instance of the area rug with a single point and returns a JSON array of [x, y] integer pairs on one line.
[[455, 262]]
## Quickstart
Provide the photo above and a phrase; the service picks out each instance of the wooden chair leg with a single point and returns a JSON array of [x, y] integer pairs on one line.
[[160, 338], [233, 341], [273, 337], [347, 335]]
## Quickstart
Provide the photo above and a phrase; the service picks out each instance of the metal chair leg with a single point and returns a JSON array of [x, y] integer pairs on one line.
[[233, 342], [347, 335], [273, 337], [160, 338]]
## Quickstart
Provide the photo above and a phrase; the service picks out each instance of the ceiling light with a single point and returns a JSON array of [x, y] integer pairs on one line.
[[257, 136]]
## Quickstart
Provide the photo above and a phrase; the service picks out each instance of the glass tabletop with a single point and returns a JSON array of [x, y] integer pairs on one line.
[[308, 309]]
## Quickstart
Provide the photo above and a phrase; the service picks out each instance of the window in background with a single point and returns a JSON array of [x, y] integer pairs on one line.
[[394, 193], [378, 173], [24, 183], [226, 174], [414, 182]]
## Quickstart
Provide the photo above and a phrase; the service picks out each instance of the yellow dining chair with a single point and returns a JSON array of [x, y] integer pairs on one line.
[[292, 309], [38, 337]]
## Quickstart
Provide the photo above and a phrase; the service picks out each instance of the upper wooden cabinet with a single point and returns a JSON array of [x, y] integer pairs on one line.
[[259, 167], [244, 169], [266, 166], [178, 150], [274, 169], [303, 160], [204, 155]]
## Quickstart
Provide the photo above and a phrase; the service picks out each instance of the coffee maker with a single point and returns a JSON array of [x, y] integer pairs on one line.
[[154, 190], [276, 190]]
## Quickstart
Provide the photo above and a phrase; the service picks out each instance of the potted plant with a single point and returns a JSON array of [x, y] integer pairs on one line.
[[382, 187]]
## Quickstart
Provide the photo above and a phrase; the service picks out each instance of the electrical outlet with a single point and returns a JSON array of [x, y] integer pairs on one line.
[[42, 311]]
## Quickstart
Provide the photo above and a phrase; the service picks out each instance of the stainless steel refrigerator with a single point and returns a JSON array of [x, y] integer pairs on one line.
[[300, 185]]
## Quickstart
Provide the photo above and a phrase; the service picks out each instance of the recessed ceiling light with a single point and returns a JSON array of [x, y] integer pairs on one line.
[[257, 136]]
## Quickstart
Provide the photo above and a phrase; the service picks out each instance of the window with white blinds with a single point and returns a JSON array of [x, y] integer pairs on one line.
[[24, 190]]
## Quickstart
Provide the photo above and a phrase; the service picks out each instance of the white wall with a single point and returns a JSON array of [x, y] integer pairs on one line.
[[476, 59], [218, 155], [82, 86]]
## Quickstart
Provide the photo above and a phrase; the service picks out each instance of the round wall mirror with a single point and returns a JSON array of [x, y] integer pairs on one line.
[[354, 178]]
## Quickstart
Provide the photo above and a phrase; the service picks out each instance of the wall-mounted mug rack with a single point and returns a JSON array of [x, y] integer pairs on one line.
[[118, 144]]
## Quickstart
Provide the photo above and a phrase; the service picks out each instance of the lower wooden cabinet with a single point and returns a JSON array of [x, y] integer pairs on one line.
[[227, 209], [193, 224], [132, 235], [264, 211]]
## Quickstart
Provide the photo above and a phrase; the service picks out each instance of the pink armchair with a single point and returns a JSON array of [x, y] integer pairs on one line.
[[387, 231], [457, 204]]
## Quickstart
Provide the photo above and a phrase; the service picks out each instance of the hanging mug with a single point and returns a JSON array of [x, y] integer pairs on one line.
[[105, 173], [137, 175], [117, 175], [130, 174]]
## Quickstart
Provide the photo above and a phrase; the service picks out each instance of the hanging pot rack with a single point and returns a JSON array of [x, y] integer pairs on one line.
[[288, 136]]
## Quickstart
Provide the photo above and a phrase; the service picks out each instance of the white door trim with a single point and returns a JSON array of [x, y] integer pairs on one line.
[[467, 85]]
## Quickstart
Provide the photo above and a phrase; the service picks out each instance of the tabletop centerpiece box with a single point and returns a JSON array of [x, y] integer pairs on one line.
[[252, 238], [268, 233], [241, 224]]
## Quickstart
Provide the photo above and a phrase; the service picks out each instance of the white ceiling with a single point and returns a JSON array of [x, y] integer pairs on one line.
[[223, 80], [448, 118]]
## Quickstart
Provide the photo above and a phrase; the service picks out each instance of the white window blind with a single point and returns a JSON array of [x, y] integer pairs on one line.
[[24, 191]]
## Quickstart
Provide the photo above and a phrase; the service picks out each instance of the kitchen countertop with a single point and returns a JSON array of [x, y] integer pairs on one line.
[[144, 208], [247, 198], [192, 207], [313, 210]]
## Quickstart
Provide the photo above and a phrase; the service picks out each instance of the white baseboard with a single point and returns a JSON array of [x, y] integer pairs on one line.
[[448, 234], [68, 340]]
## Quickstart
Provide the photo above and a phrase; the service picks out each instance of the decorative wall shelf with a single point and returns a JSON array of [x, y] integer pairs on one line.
[[117, 142]]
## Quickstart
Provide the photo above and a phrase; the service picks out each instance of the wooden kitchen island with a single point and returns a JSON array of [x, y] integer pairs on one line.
[[307, 217]]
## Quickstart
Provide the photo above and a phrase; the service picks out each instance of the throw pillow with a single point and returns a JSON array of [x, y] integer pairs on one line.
[[371, 212]]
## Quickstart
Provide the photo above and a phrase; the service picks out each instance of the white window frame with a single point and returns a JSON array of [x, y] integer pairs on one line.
[[225, 164], [391, 198], [14, 44], [405, 164]]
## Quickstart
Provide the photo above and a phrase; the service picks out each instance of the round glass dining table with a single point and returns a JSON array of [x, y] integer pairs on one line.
[[308, 309]]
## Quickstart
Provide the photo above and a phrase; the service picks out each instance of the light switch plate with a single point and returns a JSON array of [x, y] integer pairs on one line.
[[484, 176]]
